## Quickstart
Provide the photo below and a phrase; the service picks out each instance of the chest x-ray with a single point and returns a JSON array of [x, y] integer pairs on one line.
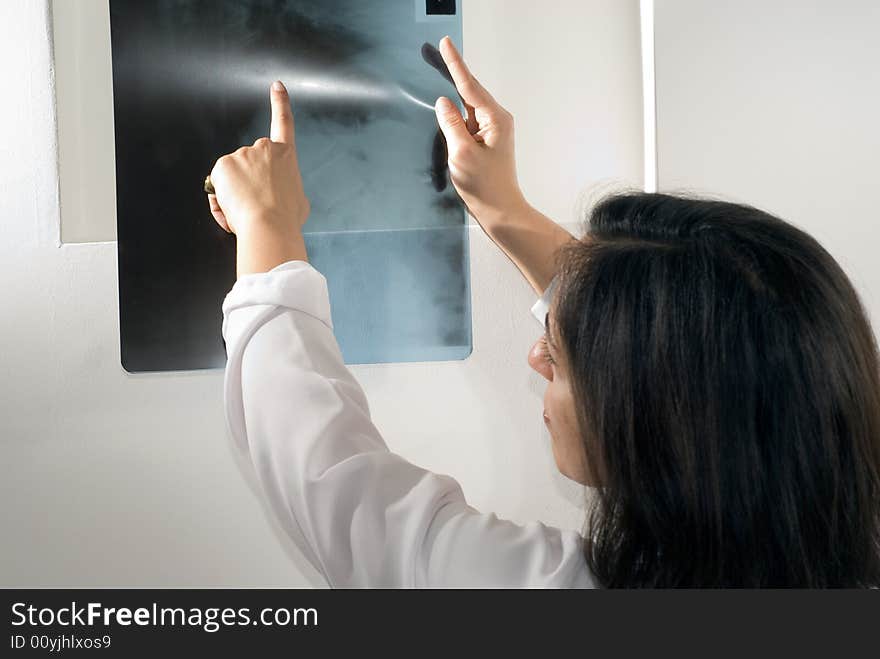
[[387, 230]]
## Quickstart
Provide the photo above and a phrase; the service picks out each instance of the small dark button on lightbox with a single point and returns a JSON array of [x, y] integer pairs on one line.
[[440, 7]]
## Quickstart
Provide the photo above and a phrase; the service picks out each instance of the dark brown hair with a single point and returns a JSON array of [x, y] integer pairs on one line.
[[728, 394]]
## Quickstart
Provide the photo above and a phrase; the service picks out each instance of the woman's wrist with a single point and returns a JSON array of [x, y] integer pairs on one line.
[[265, 243], [531, 240], [494, 217]]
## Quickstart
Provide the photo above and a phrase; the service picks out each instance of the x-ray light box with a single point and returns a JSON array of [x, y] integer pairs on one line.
[[190, 83]]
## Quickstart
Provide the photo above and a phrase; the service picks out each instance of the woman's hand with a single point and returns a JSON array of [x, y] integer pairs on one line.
[[482, 165], [259, 194], [483, 170]]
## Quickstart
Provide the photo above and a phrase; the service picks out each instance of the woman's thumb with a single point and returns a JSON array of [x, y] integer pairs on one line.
[[451, 123]]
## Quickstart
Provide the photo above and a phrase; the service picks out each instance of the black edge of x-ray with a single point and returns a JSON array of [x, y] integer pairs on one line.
[[190, 83]]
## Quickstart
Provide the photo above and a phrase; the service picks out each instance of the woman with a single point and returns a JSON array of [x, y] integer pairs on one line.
[[710, 372]]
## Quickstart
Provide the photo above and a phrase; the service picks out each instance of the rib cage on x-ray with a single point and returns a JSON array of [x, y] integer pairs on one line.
[[387, 230]]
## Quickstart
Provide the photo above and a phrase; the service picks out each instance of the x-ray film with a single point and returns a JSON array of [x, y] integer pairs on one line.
[[387, 230]]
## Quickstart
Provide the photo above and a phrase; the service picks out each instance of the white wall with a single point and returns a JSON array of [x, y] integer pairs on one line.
[[112, 479], [778, 104]]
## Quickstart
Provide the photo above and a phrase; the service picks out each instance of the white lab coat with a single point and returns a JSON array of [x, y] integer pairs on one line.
[[362, 515]]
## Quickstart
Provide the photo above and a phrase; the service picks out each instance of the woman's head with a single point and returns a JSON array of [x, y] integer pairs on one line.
[[717, 380]]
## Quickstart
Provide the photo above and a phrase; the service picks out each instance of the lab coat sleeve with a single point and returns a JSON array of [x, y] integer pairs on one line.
[[362, 515], [542, 306]]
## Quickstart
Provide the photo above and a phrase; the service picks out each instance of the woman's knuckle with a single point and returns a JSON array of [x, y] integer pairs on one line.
[[465, 152]]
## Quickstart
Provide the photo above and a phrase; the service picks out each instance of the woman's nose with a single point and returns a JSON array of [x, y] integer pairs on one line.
[[538, 361]]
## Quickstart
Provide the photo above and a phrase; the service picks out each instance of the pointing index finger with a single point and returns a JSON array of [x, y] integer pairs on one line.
[[281, 129], [470, 89]]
